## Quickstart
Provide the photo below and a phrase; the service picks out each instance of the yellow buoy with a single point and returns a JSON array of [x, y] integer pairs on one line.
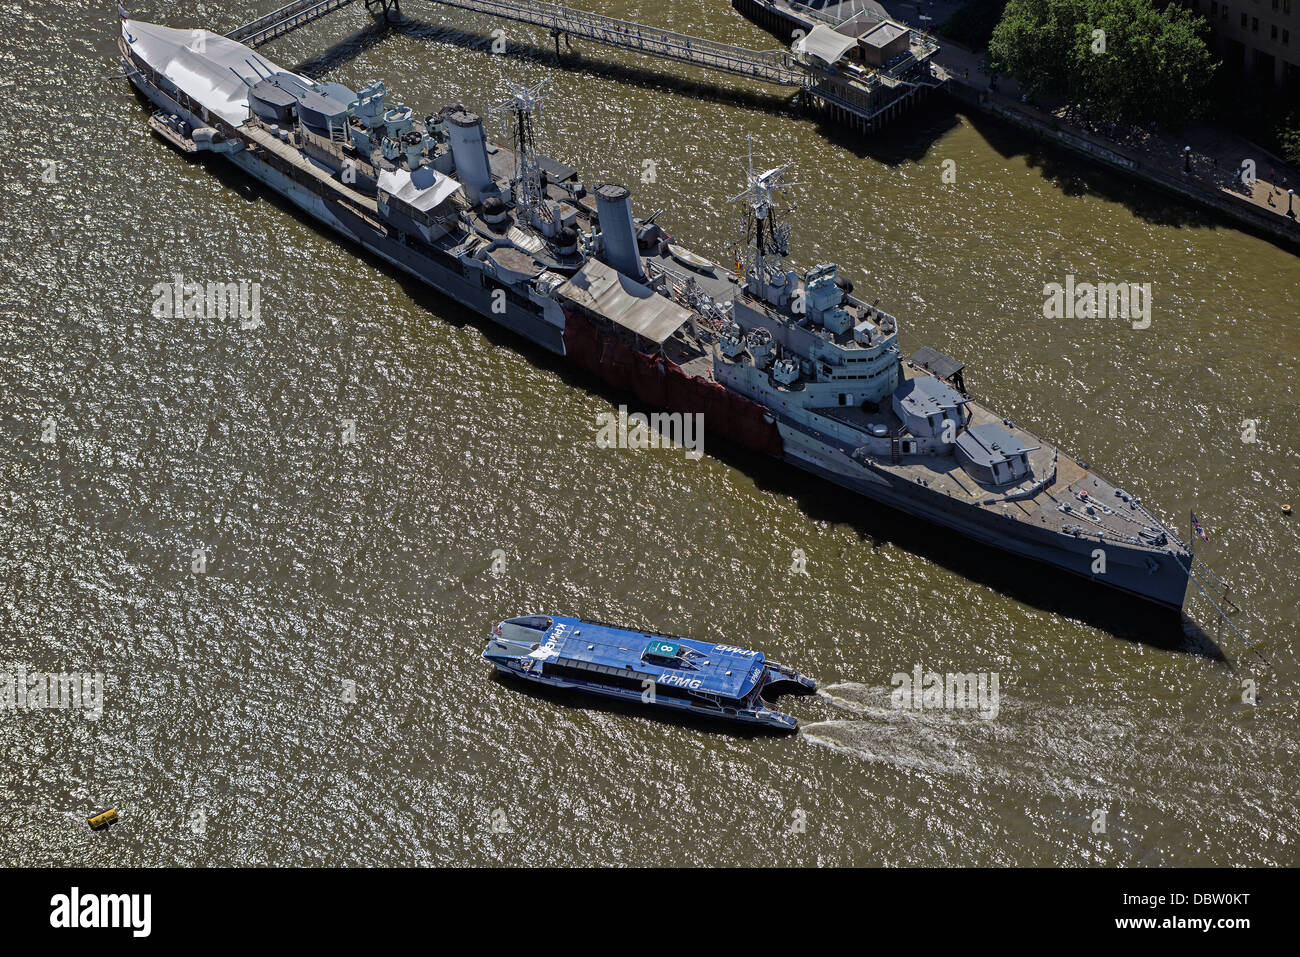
[[1286, 509], [102, 820]]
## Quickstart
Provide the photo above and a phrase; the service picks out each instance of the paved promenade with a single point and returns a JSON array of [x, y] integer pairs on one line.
[[1211, 165]]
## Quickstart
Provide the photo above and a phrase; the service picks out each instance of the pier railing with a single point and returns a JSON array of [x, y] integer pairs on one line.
[[771, 66], [288, 17]]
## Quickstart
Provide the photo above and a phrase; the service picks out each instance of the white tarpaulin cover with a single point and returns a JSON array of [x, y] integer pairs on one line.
[[825, 44], [625, 301], [201, 63], [424, 190]]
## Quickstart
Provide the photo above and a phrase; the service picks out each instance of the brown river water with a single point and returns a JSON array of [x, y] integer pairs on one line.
[[314, 695]]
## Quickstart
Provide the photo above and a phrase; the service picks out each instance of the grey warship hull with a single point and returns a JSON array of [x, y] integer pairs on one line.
[[1157, 577], [634, 336]]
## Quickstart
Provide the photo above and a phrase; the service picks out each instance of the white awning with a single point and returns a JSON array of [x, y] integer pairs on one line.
[[208, 67], [824, 44]]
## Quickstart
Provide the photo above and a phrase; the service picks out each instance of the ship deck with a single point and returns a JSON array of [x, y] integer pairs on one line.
[[364, 206]]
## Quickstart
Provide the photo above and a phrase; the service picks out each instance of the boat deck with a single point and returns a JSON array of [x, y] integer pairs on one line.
[[364, 206]]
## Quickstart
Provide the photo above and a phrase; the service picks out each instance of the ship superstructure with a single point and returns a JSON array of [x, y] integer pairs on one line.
[[788, 363]]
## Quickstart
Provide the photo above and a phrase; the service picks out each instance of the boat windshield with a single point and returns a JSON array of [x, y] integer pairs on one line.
[[526, 631]]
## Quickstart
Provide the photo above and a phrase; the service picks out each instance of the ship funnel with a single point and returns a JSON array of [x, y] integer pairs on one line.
[[469, 153], [614, 208]]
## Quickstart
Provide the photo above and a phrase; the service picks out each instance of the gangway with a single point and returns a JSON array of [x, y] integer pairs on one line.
[[777, 67], [771, 66]]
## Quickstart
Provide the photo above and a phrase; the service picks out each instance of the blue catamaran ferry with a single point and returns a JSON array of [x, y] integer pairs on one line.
[[718, 681]]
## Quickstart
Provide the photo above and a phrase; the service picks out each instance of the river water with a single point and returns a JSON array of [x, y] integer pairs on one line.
[[313, 694]]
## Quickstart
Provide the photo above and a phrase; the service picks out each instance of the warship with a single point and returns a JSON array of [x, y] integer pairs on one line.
[[790, 364]]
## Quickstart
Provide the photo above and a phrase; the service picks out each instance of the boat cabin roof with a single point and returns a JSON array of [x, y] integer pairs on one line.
[[722, 670]]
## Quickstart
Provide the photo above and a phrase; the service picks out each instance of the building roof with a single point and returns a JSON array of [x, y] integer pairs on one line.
[[990, 444], [608, 293], [926, 395], [824, 44], [722, 670], [883, 34], [215, 78]]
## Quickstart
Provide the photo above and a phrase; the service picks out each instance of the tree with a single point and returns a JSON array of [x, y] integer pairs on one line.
[[1124, 59]]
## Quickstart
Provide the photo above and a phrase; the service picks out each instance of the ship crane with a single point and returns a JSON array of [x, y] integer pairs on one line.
[[519, 110], [765, 237]]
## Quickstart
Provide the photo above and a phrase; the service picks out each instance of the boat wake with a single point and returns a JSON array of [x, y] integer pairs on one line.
[[958, 744]]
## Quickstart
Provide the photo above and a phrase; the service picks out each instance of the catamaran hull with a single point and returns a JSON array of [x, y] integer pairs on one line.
[[771, 721]]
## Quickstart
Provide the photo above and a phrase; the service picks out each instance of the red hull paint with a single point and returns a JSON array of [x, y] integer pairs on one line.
[[659, 382]]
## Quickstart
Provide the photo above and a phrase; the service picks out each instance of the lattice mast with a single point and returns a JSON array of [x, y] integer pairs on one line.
[[520, 111], [764, 234]]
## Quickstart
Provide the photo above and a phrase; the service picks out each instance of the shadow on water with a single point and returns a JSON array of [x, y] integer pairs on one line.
[[1076, 176], [346, 50], [1029, 582], [902, 143], [573, 698], [907, 140]]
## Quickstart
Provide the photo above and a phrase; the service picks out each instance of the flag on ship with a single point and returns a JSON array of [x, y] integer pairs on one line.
[[121, 12], [1199, 530]]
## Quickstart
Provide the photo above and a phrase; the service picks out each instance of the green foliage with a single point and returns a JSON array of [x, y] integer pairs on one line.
[[1146, 64], [1289, 138], [973, 22]]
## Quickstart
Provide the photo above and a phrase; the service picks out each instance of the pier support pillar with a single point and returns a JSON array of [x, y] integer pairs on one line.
[[392, 9]]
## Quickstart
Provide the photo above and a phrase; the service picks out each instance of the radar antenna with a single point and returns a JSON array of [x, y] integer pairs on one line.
[[519, 111], [765, 236]]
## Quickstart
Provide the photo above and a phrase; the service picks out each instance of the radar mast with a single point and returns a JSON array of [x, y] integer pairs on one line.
[[519, 111], [764, 234]]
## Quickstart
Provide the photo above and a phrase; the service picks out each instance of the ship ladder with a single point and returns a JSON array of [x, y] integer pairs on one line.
[[1190, 568], [1192, 573]]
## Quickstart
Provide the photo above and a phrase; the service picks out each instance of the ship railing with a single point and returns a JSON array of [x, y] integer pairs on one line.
[[335, 148]]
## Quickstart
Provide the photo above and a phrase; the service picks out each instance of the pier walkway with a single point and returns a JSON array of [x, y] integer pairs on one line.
[[777, 67], [289, 17]]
